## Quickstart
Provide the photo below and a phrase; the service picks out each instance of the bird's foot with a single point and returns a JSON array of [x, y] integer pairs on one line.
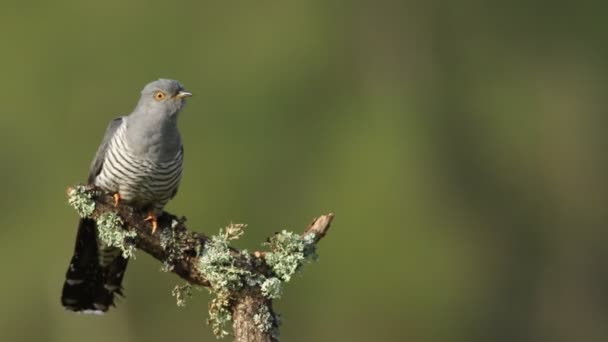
[[152, 218], [116, 199]]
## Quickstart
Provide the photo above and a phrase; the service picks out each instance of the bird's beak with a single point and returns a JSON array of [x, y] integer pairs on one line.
[[183, 94]]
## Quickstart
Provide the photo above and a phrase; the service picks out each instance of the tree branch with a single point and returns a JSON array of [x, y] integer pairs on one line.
[[244, 283]]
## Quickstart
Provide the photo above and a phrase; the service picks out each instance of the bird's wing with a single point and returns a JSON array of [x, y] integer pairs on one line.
[[97, 163]]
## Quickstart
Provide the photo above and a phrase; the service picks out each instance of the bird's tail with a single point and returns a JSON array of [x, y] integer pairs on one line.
[[94, 276]]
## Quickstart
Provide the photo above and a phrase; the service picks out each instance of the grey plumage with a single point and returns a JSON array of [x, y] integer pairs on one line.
[[140, 158], [141, 178]]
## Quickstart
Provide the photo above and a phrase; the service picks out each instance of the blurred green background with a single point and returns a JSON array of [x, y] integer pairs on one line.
[[461, 145]]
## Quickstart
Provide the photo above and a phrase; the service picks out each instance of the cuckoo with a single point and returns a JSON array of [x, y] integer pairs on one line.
[[139, 161]]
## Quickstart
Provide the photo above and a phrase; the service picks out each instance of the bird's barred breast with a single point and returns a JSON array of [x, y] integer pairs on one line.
[[137, 180]]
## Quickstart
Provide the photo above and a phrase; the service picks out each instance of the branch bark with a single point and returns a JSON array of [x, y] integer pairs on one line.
[[253, 317], [246, 327]]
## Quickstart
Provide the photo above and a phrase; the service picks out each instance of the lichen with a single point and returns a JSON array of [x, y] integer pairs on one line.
[[219, 313], [229, 272], [219, 266], [263, 319], [173, 242], [288, 252], [111, 233], [225, 276], [182, 293], [272, 288], [81, 199], [234, 231]]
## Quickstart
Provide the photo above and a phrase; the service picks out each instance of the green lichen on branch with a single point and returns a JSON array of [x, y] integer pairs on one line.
[[229, 274], [243, 284], [111, 233], [272, 288], [234, 231], [226, 274], [288, 252], [109, 225], [182, 293], [175, 244], [219, 313], [221, 268], [264, 319], [81, 199]]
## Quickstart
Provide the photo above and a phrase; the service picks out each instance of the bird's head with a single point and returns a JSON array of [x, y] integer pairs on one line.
[[163, 96]]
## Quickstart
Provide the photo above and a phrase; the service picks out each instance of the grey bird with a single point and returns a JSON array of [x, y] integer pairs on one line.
[[140, 162]]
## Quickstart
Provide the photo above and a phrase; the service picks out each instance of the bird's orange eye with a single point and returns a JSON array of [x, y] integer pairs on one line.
[[159, 95]]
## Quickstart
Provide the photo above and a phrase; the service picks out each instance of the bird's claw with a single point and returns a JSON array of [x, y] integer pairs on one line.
[[116, 197], [152, 218]]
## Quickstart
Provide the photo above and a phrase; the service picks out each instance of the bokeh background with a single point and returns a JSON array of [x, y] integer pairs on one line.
[[461, 145]]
